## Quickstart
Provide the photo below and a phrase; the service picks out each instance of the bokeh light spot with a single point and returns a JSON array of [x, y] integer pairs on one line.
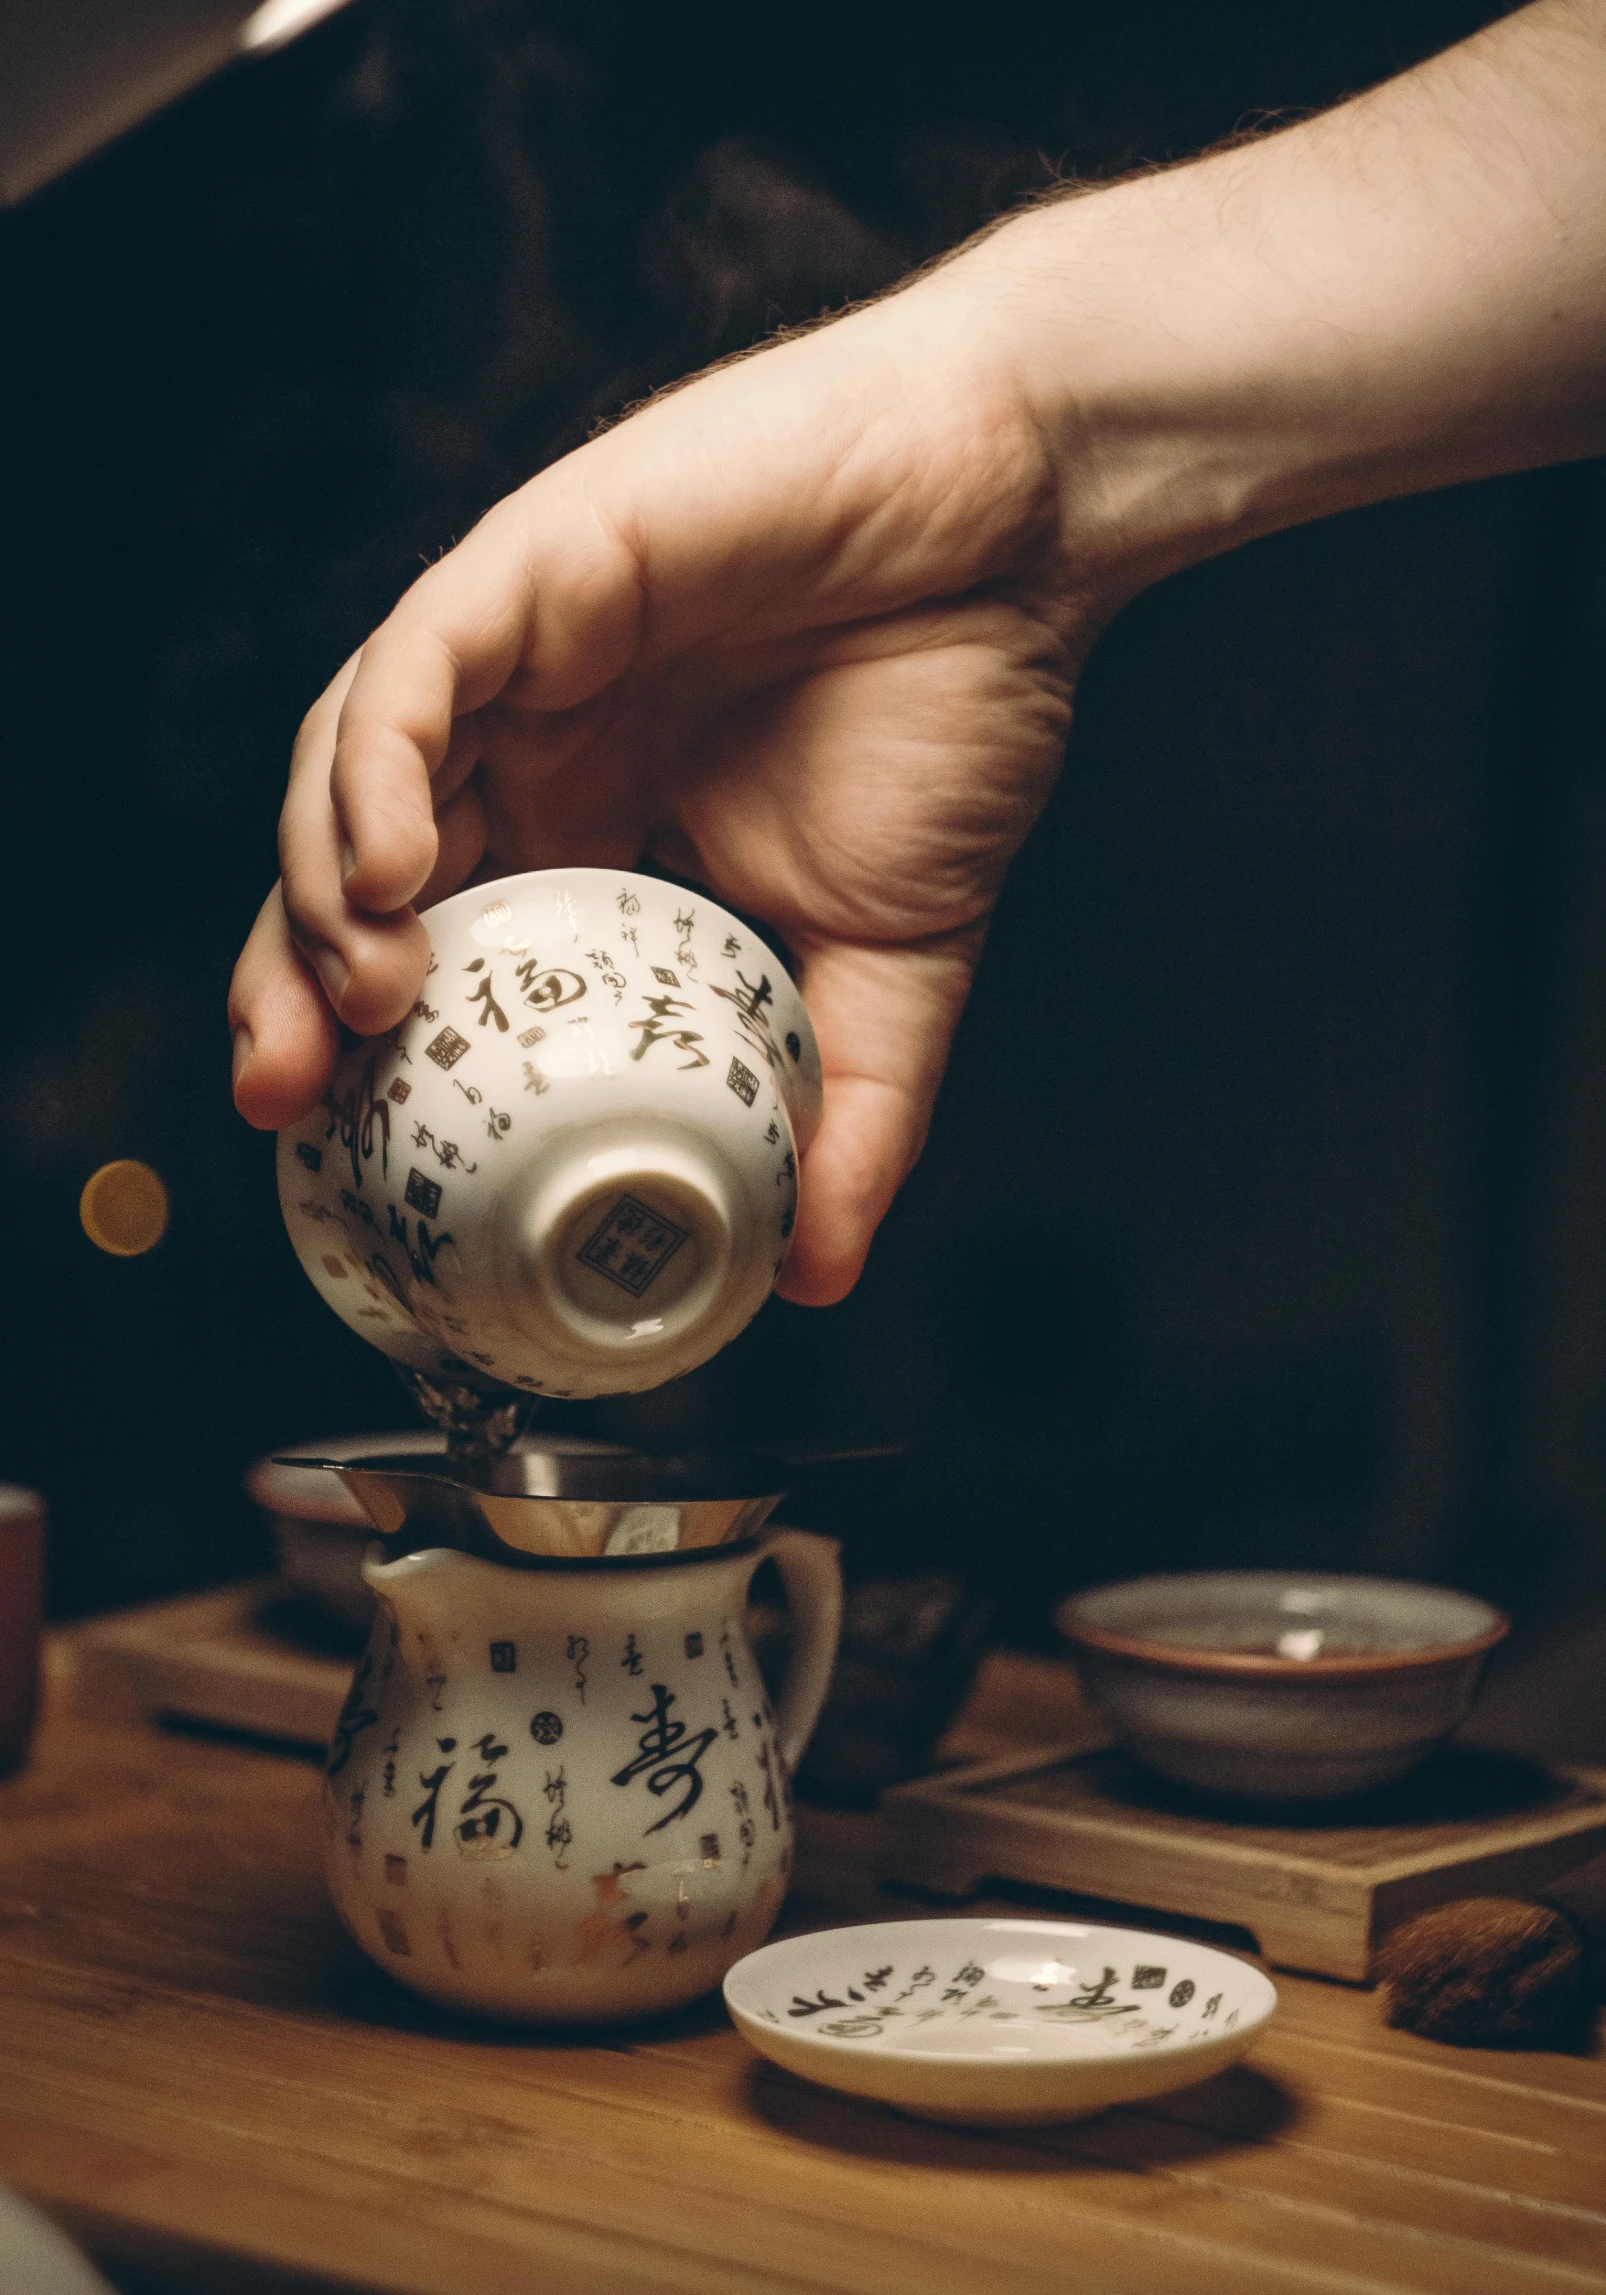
[[124, 1208]]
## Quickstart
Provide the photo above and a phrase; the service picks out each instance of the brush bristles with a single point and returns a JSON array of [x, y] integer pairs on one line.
[[1483, 1971]]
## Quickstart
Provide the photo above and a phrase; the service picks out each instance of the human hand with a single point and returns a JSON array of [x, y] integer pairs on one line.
[[801, 632], [806, 631]]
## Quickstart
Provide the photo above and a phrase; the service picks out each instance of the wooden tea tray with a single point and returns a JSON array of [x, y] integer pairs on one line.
[[1316, 1896], [239, 1658]]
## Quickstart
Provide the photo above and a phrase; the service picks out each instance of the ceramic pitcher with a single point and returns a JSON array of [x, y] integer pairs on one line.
[[559, 1794]]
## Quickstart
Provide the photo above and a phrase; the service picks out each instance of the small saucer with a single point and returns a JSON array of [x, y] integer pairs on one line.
[[997, 2023]]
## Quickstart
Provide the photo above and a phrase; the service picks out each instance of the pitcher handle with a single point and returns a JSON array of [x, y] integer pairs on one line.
[[812, 1575]]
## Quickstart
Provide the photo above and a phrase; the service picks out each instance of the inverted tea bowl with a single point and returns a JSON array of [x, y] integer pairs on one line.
[[572, 1168], [997, 2023]]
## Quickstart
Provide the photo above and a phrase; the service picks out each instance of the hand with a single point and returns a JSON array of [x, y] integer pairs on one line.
[[806, 631], [801, 632]]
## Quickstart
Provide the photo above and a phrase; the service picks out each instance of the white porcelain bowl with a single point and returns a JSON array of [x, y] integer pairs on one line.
[[997, 2023], [1277, 1686], [573, 1167]]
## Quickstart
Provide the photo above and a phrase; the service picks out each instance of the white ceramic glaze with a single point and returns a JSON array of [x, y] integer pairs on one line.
[[558, 1795], [1277, 1686], [573, 1167], [998, 2023]]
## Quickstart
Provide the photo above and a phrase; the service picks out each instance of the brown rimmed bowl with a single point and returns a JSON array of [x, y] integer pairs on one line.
[[1280, 1686]]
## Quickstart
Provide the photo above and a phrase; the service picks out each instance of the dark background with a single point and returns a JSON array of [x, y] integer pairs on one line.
[[1267, 1225]]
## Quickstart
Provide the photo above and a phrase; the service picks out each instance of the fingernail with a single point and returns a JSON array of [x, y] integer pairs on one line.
[[333, 972], [242, 1052], [348, 862]]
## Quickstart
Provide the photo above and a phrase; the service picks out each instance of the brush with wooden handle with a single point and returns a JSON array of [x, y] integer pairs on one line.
[[1493, 1970]]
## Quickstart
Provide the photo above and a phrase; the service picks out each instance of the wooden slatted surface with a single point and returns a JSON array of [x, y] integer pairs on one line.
[[204, 2080], [1318, 1896]]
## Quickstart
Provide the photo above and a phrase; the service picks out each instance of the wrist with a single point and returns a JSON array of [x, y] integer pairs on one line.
[[1157, 371], [1400, 294]]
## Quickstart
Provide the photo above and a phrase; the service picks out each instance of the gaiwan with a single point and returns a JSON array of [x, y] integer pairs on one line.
[[572, 1169]]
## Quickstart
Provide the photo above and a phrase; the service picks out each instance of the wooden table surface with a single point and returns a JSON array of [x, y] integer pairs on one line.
[[208, 2085]]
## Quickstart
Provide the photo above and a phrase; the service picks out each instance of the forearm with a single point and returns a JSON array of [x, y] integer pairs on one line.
[[1406, 292]]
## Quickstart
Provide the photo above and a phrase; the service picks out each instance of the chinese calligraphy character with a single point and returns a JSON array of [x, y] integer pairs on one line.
[[421, 1256], [545, 989], [668, 1757], [659, 1026], [612, 977], [423, 1194], [559, 1831], [424, 1814], [597, 1929], [1100, 1995], [356, 1715], [965, 1981], [485, 996], [632, 1246], [751, 1000], [747, 1831], [487, 1824], [922, 1976], [770, 1802], [447, 1153], [362, 1122]]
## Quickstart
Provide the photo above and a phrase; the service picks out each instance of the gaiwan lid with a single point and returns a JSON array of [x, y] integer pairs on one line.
[[543, 1502]]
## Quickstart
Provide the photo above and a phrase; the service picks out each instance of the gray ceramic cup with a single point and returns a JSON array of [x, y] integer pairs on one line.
[[1277, 1686]]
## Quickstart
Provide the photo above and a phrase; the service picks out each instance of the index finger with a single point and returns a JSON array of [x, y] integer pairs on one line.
[[543, 592]]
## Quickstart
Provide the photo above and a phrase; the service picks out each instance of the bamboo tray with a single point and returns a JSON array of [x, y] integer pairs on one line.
[[1316, 1896], [239, 1658]]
